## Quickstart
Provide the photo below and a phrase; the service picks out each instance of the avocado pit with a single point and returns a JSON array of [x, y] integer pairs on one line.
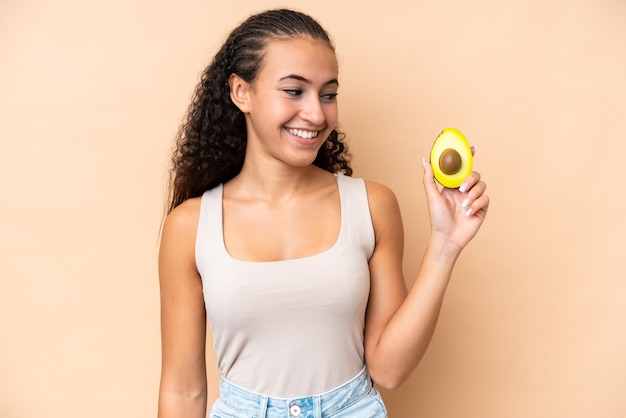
[[450, 161]]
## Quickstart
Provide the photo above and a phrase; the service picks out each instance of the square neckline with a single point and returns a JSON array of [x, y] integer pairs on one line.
[[323, 253]]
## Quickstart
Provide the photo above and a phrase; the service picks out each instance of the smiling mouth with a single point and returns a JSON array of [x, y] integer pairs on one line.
[[303, 134]]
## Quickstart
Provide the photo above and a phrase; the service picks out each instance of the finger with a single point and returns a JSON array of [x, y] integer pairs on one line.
[[479, 206], [473, 149], [477, 190], [470, 181], [474, 193], [430, 185]]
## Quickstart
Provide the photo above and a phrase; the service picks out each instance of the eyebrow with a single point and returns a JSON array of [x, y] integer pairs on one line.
[[306, 80]]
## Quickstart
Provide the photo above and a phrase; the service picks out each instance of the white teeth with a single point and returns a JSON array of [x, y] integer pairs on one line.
[[303, 134]]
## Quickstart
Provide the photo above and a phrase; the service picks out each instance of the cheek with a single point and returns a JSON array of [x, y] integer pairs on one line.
[[281, 110], [332, 115]]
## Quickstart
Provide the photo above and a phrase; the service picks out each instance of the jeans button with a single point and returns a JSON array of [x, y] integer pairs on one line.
[[295, 411]]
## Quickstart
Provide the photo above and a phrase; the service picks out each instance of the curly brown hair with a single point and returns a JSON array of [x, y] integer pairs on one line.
[[211, 141]]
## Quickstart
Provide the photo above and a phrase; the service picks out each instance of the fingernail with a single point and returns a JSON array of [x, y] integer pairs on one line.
[[463, 188], [469, 212], [465, 203], [423, 162]]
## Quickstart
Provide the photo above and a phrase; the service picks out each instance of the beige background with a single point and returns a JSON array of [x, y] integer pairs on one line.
[[534, 324]]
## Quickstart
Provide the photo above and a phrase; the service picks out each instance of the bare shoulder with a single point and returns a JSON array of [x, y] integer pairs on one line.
[[382, 200], [183, 220], [177, 249], [179, 230]]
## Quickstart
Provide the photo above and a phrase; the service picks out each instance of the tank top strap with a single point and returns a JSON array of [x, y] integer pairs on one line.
[[209, 230], [356, 218]]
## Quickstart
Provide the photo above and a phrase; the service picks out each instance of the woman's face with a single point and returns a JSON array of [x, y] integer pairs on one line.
[[292, 105]]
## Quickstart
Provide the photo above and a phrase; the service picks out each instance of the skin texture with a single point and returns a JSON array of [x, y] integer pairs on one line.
[[280, 194]]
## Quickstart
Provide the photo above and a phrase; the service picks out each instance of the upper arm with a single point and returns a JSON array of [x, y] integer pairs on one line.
[[387, 286], [183, 317]]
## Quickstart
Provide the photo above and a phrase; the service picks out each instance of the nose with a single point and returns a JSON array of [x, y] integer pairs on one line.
[[313, 112]]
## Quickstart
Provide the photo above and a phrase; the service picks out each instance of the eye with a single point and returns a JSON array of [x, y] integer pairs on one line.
[[329, 96], [293, 92]]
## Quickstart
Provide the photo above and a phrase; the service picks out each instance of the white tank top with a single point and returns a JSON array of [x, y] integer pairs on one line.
[[289, 328]]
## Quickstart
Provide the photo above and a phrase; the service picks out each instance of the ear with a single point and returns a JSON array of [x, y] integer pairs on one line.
[[239, 92]]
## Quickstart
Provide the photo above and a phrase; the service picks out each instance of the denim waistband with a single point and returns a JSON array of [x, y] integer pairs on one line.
[[314, 406]]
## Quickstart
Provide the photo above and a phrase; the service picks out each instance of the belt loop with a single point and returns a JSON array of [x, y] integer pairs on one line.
[[262, 406], [317, 406]]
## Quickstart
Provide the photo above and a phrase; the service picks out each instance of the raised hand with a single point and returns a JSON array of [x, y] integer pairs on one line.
[[455, 214]]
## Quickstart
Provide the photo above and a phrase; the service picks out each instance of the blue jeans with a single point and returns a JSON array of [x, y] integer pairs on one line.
[[356, 398]]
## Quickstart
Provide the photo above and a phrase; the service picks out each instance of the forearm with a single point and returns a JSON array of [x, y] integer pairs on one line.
[[182, 404], [408, 333]]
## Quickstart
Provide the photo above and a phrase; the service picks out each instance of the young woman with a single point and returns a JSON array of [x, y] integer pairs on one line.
[[297, 265]]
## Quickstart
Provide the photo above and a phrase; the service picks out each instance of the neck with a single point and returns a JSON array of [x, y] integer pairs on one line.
[[275, 181]]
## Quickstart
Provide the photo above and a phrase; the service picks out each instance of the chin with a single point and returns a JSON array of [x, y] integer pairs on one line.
[[301, 161]]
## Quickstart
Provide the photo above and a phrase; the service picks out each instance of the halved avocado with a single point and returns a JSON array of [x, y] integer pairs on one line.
[[451, 158]]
